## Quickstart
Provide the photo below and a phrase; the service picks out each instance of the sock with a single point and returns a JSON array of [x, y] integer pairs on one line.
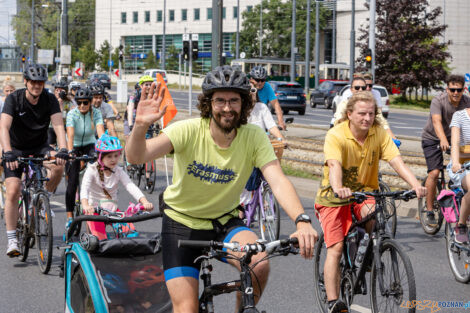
[[11, 234]]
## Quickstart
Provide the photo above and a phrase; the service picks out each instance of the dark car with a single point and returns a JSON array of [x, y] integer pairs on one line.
[[100, 77], [291, 96], [325, 93]]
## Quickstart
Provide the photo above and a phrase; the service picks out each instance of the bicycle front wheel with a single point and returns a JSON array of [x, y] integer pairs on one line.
[[397, 278], [43, 233], [459, 259], [151, 168], [22, 231], [390, 211], [318, 276], [269, 216], [430, 229]]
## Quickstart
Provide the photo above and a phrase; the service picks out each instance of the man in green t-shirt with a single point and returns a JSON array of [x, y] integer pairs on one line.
[[213, 159]]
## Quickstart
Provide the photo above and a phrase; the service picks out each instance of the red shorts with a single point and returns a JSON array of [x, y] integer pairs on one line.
[[336, 221]]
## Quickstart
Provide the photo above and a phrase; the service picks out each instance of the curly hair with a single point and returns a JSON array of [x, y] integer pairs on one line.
[[365, 96], [205, 106]]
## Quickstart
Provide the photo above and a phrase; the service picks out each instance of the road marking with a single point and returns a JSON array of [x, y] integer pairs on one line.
[[55, 203], [359, 308], [404, 127]]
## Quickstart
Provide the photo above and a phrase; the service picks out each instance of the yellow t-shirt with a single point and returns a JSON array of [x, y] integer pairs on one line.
[[207, 179], [360, 163]]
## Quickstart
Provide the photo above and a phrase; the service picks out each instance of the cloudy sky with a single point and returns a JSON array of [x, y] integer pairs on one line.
[[7, 9]]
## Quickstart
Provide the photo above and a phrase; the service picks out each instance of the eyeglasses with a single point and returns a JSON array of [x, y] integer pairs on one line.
[[219, 102], [79, 103], [360, 87], [369, 85], [452, 90]]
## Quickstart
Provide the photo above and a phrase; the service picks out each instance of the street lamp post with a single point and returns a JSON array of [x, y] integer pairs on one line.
[[292, 46], [31, 48], [163, 37], [237, 45]]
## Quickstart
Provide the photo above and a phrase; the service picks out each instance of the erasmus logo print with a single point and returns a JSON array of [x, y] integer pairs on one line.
[[211, 173]]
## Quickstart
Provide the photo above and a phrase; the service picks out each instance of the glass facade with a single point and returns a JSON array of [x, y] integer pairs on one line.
[[143, 45]]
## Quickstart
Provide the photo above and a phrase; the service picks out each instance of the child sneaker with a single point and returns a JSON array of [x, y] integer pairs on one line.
[[461, 233], [13, 249]]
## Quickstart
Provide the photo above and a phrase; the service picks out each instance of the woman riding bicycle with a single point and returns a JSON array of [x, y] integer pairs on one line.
[[81, 124], [459, 154]]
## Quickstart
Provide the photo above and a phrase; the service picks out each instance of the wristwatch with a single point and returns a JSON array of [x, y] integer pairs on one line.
[[303, 218]]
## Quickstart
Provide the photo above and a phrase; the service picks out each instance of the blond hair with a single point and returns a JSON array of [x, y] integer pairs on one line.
[[364, 96], [8, 83]]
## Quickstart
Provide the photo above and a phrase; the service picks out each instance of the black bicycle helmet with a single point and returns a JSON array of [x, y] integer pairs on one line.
[[258, 72], [137, 86], [83, 94], [62, 84], [225, 78], [96, 88], [35, 72]]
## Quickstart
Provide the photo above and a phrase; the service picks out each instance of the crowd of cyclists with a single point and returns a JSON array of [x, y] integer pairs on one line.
[[214, 157]]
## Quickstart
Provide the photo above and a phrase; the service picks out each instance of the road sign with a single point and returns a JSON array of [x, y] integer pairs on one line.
[[467, 77], [57, 59], [242, 55], [194, 37], [78, 71], [116, 72], [185, 37], [45, 56], [110, 63]]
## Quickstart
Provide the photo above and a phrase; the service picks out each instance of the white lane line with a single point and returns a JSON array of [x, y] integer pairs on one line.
[[359, 308], [404, 127], [55, 203]]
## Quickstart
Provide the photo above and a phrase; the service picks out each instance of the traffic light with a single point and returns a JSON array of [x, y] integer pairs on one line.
[[121, 53], [186, 50], [23, 59], [195, 50], [368, 58]]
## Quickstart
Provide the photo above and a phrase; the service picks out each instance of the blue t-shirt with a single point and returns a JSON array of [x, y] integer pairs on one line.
[[266, 94]]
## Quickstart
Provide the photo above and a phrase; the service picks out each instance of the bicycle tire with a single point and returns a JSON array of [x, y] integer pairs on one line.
[[318, 278], [152, 175], [422, 211], [77, 211], [138, 174], [22, 232], [390, 211], [395, 282], [44, 233], [271, 223], [456, 256]]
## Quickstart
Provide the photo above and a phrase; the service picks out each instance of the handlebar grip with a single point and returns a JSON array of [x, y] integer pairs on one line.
[[293, 241], [194, 243]]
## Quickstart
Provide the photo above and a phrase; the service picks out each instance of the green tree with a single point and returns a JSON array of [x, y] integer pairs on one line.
[[81, 24], [103, 56], [277, 28], [408, 50], [151, 61], [87, 55], [172, 61]]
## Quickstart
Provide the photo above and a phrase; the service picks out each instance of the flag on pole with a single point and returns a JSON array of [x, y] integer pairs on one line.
[[168, 100]]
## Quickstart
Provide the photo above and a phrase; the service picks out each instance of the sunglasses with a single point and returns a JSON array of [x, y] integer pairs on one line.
[[369, 85], [360, 87], [79, 103], [260, 80], [459, 90]]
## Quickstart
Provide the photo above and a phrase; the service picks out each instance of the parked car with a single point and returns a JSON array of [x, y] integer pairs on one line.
[[153, 73], [385, 105], [291, 96], [325, 93], [100, 77]]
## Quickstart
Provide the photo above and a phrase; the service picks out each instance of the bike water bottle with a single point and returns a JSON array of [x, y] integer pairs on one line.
[[361, 251]]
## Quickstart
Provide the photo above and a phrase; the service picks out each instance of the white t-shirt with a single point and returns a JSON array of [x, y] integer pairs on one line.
[[261, 116], [461, 120], [92, 187]]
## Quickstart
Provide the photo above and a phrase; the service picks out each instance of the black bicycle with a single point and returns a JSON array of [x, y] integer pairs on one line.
[[35, 220], [245, 284], [77, 209], [391, 280], [390, 211], [432, 229]]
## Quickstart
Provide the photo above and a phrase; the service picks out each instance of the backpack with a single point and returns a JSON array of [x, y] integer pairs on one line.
[[448, 204]]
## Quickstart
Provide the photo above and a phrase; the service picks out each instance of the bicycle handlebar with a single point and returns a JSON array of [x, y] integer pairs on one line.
[[83, 158], [269, 247], [109, 220], [405, 195]]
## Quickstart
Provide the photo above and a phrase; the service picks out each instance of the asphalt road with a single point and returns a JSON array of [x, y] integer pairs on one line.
[[290, 288], [402, 123]]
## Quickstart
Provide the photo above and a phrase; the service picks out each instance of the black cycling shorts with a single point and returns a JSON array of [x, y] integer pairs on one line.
[[179, 262], [433, 154], [38, 152]]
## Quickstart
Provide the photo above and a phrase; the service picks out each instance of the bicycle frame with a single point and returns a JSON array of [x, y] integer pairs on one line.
[[258, 203]]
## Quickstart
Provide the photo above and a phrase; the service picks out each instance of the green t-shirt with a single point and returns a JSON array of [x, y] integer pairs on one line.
[[208, 180]]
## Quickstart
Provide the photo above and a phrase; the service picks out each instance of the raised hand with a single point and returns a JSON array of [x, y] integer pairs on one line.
[[148, 110]]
